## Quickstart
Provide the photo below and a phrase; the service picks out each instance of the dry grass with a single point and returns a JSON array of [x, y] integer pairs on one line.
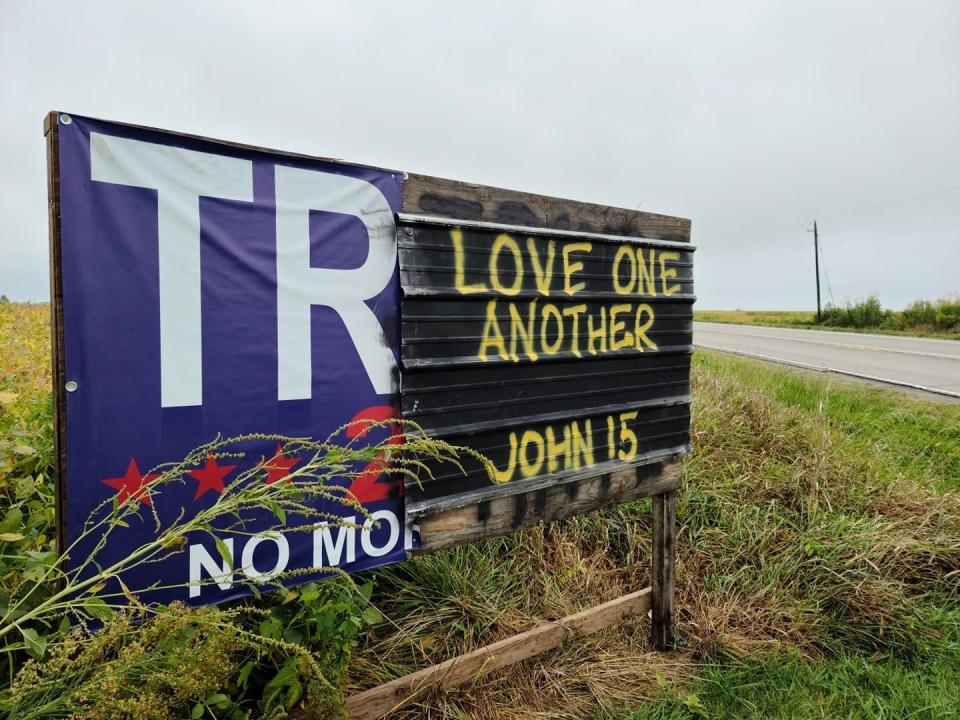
[[786, 318], [794, 535]]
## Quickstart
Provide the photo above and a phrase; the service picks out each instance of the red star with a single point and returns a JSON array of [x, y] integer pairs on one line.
[[133, 484], [210, 476], [366, 487], [278, 467]]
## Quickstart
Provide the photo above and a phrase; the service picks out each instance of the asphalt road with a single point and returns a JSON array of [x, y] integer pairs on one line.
[[919, 363]]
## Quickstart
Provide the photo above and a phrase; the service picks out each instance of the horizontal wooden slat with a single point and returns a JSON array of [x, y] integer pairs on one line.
[[502, 515], [469, 201], [455, 397], [427, 259], [527, 458], [378, 702]]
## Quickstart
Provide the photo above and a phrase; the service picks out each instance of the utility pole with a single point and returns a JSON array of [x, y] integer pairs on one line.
[[816, 265]]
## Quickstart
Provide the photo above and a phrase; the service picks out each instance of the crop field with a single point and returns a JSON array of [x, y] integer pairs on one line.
[[773, 318], [921, 318], [818, 576]]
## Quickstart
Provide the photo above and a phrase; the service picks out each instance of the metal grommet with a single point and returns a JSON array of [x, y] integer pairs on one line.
[[71, 386], [65, 119]]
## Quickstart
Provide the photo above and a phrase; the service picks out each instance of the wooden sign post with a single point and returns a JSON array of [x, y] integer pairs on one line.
[[555, 338]]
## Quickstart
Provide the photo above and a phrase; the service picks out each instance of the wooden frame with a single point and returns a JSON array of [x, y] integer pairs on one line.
[[51, 132], [453, 524], [465, 523], [663, 570]]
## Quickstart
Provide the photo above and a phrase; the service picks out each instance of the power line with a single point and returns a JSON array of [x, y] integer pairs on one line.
[[757, 241], [913, 231], [783, 237], [893, 202], [783, 233], [826, 274], [820, 256]]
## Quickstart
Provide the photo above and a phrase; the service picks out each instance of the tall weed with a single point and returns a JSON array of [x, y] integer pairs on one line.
[[256, 659]]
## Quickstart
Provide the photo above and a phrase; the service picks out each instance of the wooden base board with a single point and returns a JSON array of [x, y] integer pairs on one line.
[[384, 699], [503, 515]]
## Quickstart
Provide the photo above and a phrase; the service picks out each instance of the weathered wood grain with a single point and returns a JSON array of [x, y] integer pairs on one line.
[[663, 561], [384, 699], [51, 132], [468, 201], [502, 515]]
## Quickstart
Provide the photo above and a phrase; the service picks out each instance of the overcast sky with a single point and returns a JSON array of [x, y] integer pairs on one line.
[[750, 118]]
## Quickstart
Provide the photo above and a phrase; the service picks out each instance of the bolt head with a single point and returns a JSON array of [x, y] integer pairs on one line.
[[65, 119], [71, 386]]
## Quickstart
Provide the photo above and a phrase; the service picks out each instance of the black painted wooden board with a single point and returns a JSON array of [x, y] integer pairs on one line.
[[506, 365]]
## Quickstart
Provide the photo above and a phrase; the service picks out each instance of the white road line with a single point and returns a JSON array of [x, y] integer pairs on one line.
[[824, 368]]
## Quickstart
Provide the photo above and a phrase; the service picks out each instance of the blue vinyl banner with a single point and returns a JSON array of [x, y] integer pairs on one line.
[[210, 289]]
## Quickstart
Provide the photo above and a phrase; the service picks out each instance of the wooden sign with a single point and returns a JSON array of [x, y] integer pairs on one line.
[[552, 336], [561, 355], [555, 337]]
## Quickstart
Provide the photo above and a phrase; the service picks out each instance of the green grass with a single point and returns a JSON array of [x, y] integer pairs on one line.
[[895, 655], [788, 686], [856, 673], [915, 437], [818, 565]]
